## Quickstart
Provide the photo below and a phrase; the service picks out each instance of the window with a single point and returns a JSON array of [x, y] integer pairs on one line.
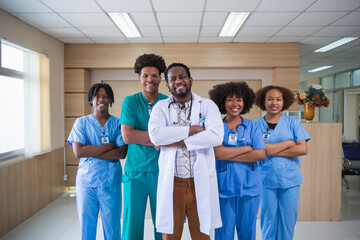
[[356, 77], [343, 80], [23, 87]]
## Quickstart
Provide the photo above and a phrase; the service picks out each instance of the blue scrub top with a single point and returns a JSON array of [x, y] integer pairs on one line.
[[237, 178], [94, 172], [282, 172]]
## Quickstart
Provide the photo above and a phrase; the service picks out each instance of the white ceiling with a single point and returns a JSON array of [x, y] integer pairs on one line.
[[312, 23]]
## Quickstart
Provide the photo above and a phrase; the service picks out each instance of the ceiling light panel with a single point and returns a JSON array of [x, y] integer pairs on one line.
[[336, 44], [320, 69], [233, 23], [125, 24]]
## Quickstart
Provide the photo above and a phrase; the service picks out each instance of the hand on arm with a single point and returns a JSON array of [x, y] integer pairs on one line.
[[274, 148], [115, 153], [240, 154], [195, 129], [227, 153], [81, 150], [134, 136], [299, 149]]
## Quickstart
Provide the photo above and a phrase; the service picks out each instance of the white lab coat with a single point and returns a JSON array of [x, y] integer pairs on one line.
[[163, 131]]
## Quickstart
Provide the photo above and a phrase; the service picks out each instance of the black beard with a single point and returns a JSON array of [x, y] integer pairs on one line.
[[182, 94]]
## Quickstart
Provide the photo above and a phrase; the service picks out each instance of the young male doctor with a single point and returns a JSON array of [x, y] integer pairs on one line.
[[186, 127]]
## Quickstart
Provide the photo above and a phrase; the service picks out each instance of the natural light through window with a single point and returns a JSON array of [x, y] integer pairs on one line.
[[12, 58], [12, 124]]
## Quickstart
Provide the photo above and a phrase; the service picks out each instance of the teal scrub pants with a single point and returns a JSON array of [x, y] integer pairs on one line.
[[138, 186], [279, 210], [91, 200], [239, 212]]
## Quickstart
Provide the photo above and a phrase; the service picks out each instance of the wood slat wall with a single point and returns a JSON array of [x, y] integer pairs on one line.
[[28, 186], [76, 86], [320, 194], [195, 55]]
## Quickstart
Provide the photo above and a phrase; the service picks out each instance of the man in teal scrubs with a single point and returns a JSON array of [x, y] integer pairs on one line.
[[141, 168]]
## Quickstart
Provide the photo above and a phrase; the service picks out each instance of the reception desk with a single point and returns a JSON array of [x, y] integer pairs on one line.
[[320, 194]]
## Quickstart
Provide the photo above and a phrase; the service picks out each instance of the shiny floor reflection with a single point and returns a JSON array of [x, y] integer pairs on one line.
[[58, 221]]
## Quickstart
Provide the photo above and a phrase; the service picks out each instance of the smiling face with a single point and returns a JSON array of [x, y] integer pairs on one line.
[[101, 101], [273, 102], [234, 105], [179, 83], [150, 79]]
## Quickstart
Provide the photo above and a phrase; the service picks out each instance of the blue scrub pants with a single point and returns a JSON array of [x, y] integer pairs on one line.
[[239, 212], [138, 186], [108, 200], [279, 210]]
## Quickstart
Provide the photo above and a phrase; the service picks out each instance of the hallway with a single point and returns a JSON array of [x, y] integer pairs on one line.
[[58, 221]]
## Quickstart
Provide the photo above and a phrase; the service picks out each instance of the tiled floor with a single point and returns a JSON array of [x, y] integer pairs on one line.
[[58, 221]]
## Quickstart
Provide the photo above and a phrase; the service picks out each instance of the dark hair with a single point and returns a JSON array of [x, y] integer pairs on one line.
[[287, 95], [220, 92], [95, 88], [149, 60], [177, 65]]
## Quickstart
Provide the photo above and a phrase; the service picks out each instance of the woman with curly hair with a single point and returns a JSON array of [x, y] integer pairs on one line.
[[238, 171], [285, 140]]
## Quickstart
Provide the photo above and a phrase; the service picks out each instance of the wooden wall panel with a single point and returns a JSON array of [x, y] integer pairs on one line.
[[289, 78], [77, 80], [28, 186], [320, 194], [71, 172], [70, 156], [195, 55], [76, 105], [69, 122]]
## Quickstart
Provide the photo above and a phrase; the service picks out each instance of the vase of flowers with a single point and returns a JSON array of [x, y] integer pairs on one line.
[[313, 96]]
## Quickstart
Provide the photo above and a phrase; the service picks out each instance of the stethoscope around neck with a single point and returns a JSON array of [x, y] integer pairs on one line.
[[175, 102], [237, 131]]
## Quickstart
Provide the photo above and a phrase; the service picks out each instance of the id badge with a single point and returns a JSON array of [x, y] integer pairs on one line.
[[232, 139], [202, 122], [266, 136], [149, 110], [104, 139]]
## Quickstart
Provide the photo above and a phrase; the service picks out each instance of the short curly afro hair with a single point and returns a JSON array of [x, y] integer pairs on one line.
[[220, 92], [287, 94], [177, 65], [149, 60]]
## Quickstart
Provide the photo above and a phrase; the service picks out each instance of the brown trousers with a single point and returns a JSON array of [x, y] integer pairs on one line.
[[184, 201]]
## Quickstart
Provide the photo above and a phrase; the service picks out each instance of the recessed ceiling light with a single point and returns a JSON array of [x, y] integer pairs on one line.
[[336, 44], [233, 23], [320, 68], [125, 24]]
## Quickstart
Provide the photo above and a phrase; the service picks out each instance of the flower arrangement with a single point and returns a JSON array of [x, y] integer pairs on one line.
[[314, 95]]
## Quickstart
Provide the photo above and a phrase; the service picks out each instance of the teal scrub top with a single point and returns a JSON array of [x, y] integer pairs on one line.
[[135, 112], [282, 172], [238, 178], [94, 172]]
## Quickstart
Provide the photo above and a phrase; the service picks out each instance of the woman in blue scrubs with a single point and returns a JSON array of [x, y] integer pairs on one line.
[[96, 140], [285, 140], [238, 170]]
